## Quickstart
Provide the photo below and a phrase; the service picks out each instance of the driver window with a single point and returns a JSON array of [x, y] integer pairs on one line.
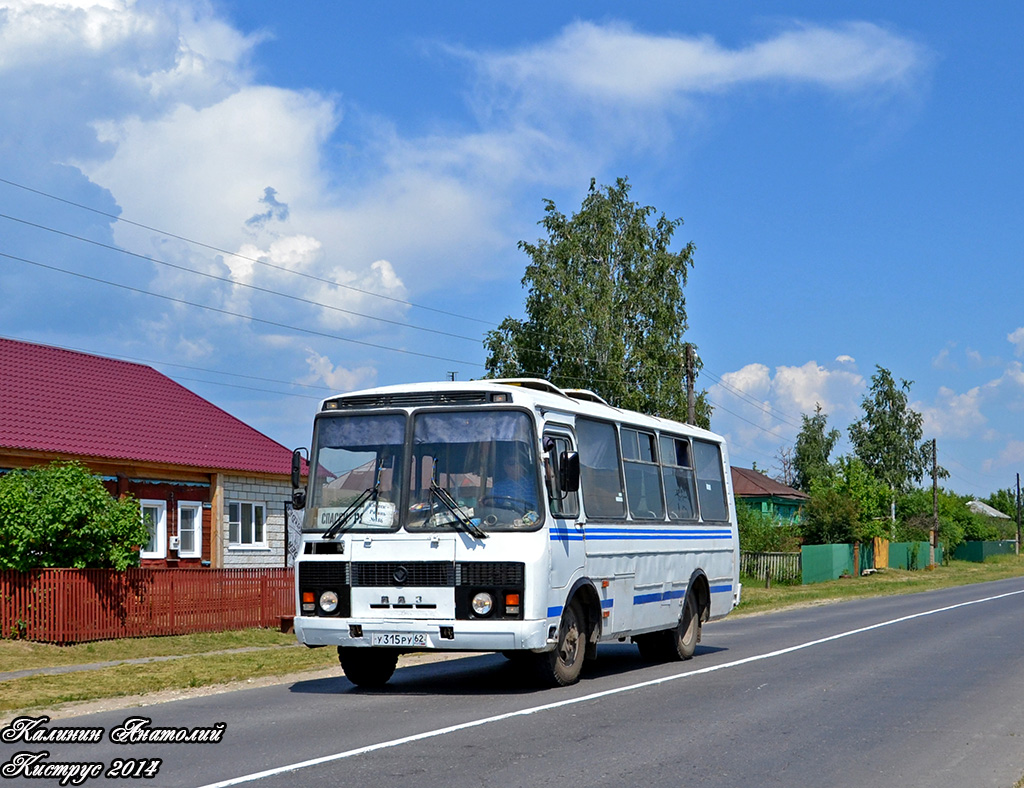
[[562, 504]]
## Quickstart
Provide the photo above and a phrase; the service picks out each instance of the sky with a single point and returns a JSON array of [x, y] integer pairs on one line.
[[272, 202]]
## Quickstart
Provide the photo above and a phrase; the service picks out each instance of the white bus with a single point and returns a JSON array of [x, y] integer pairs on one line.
[[509, 516]]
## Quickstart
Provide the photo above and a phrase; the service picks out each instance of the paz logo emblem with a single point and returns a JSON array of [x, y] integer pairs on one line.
[[401, 575]]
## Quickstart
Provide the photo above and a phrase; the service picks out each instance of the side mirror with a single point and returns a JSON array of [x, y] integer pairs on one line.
[[569, 471], [298, 494]]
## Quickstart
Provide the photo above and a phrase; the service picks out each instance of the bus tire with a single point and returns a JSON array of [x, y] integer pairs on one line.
[[368, 667], [668, 645], [687, 632], [561, 667]]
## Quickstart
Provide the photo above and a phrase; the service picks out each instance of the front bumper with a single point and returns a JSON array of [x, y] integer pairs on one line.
[[473, 635]]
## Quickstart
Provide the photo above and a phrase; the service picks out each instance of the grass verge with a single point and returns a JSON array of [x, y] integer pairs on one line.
[[23, 655], [758, 599], [199, 670]]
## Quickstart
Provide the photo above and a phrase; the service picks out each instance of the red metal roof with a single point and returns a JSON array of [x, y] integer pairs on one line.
[[752, 484], [70, 403]]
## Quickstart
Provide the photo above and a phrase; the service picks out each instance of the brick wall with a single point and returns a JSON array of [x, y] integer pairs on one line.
[[272, 495]]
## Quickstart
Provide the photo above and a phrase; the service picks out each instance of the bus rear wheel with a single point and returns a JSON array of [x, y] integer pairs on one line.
[[368, 667], [669, 645], [687, 633], [561, 667]]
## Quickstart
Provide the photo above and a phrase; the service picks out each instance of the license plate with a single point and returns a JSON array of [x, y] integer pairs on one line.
[[400, 639]]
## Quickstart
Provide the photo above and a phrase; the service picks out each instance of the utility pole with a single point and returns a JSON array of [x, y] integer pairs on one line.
[[1018, 514], [691, 417], [452, 376], [933, 542]]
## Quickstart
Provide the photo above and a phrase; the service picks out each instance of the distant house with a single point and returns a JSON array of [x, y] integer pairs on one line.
[[982, 508], [212, 489], [756, 491]]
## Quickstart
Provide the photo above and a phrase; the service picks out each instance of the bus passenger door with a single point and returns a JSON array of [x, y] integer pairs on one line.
[[566, 528]]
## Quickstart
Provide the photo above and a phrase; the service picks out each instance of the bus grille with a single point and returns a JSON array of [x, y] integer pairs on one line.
[[398, 573], [490, 573], [323, 574]]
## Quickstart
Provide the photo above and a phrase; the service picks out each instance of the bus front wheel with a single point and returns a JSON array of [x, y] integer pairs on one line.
[[368, 667], [562, 667]]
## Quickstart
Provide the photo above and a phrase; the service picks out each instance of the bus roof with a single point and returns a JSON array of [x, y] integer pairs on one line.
[[527, 392]]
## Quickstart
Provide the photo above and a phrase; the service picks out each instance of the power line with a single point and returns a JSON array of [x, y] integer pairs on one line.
[[748, 421], [233, 282], [161, 363], [115, 217], [739, 393], [229, 313]]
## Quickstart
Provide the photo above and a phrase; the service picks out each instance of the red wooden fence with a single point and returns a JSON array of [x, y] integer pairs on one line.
[[78, 605]]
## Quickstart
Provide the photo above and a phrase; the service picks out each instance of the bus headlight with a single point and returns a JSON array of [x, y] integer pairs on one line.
[[483, 603], [328, 601]]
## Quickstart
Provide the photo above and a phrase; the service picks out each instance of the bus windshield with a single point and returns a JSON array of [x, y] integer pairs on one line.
[[357, 457], [484, 460], [468, 470]]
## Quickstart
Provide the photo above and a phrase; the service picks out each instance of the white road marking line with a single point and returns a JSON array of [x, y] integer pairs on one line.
[[583, 699]]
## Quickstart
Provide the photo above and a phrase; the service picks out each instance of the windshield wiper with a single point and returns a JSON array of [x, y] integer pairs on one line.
[[369, 493], [462, 521]]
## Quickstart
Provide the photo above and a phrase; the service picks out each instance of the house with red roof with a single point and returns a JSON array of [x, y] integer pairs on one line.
[[212, 489], [762, 494]]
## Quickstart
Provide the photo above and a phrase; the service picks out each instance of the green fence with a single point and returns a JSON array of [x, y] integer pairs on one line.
[[911, 555], [822, 562], [979, 551]]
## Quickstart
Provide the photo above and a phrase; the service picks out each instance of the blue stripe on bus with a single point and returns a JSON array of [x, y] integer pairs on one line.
[[637, 534], [658, 596], [646, 599]]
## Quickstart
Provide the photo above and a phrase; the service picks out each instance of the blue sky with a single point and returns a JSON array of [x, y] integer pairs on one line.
[[850, 175]]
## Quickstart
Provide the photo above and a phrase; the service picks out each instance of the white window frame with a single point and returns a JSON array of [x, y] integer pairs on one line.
[[237, 543], [161, 528], [197, 531]]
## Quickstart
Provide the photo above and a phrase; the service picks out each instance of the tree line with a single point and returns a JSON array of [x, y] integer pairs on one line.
[[875, 490]]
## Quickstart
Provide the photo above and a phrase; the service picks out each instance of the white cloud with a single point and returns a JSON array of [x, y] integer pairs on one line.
[[156, 103], [804, 388], [1011, 456], [954, 415], [844, 359], [1016, 338], [943, 361], [337, 378], [754, 379], [205, 169], [615, 63], [760, 411]]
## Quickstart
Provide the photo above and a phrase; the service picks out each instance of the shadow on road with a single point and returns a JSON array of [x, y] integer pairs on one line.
[[493, 674]]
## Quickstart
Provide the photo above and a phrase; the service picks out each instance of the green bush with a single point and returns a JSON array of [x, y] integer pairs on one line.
[[760, 533], [62, 516], [830, 517]]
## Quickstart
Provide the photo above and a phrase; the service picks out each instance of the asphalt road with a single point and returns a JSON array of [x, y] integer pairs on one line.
[[922, 690]]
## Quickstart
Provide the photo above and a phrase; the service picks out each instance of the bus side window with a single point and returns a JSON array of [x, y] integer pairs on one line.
[[600, 480], [563, 503], [677, 473], [643, 479], [710, 481]]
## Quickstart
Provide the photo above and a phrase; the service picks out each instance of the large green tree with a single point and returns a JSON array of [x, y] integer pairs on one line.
[[605, 308], [814, 444], [62, 516], [887, 439]]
